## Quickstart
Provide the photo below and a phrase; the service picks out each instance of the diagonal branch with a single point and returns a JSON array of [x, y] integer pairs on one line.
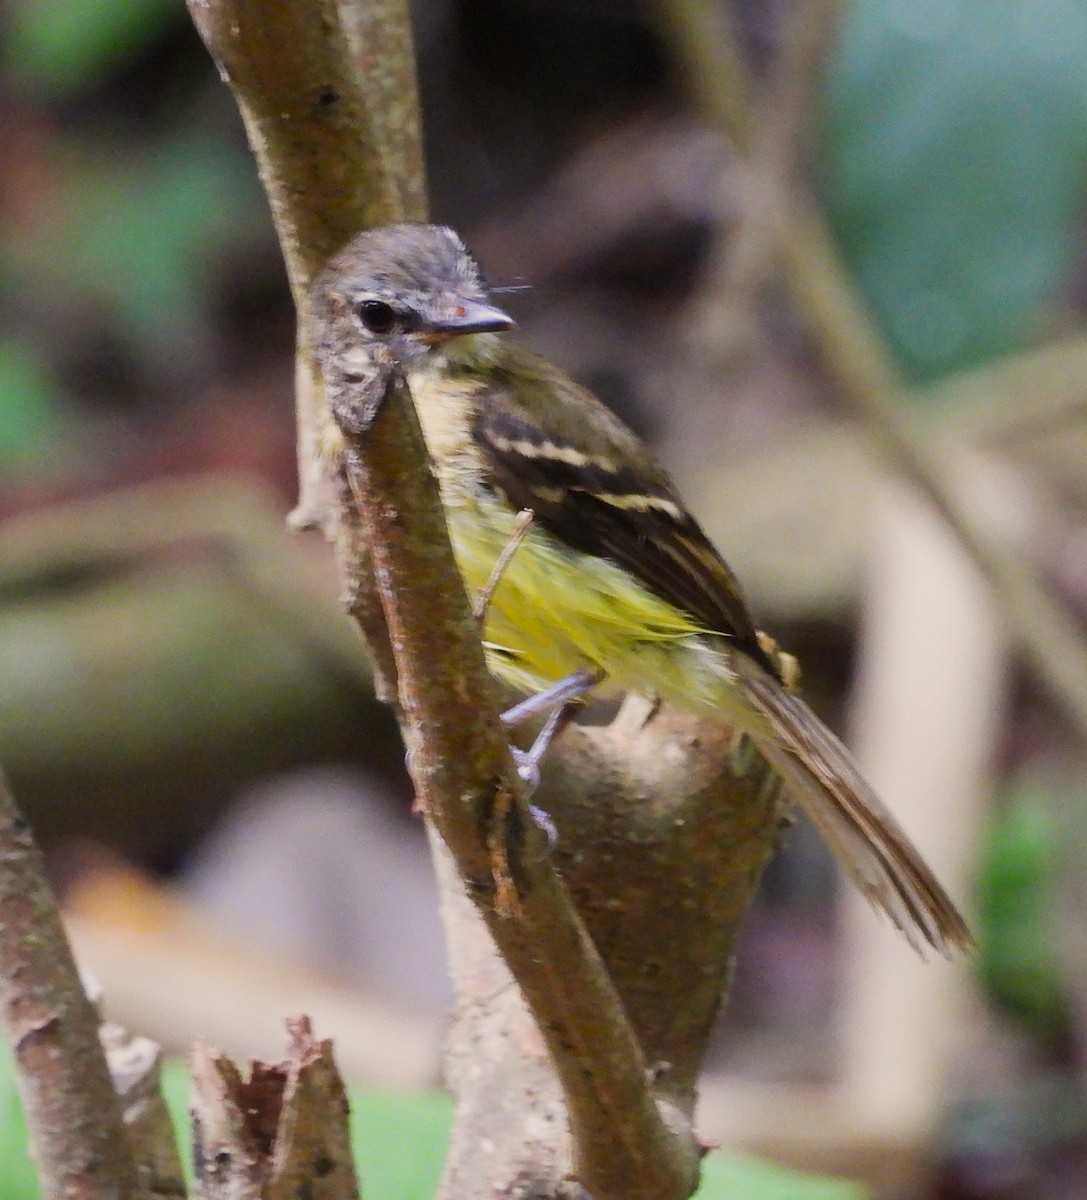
[[627, 1143], [856, 355], [333, 124], [641, 845], [76, 1135]]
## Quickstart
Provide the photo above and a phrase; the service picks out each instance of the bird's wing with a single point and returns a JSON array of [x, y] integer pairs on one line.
[[593, 486]]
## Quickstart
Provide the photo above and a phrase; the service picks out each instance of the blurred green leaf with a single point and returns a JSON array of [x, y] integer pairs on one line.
[[1018, 961], [62, 45], [955, 138], [139, 235], [400, 1140], [27, 395]]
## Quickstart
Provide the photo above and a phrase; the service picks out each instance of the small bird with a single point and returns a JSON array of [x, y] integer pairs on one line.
[[612, 579]]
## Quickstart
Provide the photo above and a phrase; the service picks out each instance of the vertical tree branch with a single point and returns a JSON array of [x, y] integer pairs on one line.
[[380, 35], [76, 1136], [329, 152]]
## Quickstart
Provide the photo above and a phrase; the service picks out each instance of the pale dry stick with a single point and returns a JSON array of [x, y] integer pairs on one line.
[[77, 1139], [628, 1143], [135, 1065], [1015, 396], [856, 357]]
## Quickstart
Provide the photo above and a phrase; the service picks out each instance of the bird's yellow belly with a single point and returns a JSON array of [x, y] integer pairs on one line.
[[557, 610]]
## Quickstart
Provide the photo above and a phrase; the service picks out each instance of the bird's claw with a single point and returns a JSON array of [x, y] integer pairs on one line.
[[543, 820]]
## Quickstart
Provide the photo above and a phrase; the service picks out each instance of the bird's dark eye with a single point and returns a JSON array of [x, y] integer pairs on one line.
[[377, 316]]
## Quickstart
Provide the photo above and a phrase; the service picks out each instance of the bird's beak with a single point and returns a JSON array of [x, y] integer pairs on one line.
[[471, 316]]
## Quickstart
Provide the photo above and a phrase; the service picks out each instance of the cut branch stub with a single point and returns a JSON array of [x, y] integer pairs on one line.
[[279, 1134]]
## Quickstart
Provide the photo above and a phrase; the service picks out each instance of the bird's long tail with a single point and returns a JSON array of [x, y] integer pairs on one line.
[[820, 773]]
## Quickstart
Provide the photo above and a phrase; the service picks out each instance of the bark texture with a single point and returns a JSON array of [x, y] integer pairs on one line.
[[661, 853], [72, 1111], [278, 1134]]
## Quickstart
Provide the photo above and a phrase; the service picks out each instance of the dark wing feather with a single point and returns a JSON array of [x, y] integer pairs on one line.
[[866, 839], [593, 486], [600, 493]]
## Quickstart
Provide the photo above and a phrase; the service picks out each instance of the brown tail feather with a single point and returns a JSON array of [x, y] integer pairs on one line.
[[820, 773]]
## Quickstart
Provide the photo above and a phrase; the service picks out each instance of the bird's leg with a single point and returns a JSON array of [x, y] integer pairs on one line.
[[528, 761], [558, 694], [524, 520], [559, 702]]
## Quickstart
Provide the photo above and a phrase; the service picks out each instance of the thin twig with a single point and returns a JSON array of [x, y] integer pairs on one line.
[[520, 529], [135, 1065], [74, 1117], [857, 357], [1015, 396], [774, 150], [706, 36], [779, 148]]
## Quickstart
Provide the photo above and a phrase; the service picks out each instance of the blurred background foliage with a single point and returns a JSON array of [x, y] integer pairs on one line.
[[163, 652]]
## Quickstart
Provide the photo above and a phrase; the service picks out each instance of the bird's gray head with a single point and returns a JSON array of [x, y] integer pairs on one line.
[[411, 288]]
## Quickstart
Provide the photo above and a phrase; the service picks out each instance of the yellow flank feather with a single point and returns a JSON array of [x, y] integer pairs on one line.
[[557, 610]]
